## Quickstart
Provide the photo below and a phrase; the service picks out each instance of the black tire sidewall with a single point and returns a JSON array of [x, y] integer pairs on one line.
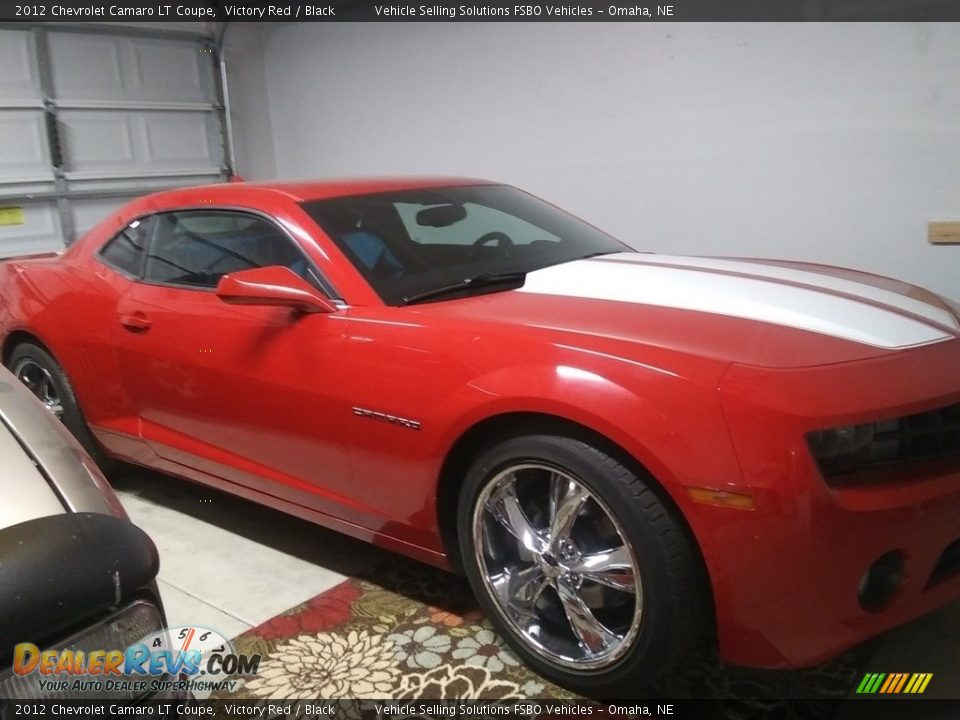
[[653, 650], [72, 415]]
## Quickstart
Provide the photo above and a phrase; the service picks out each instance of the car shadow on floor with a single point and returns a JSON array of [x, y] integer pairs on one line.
[[926, 645], [285, 533]]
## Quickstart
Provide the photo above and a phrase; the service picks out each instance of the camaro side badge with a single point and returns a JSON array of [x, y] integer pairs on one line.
[[384, 417]]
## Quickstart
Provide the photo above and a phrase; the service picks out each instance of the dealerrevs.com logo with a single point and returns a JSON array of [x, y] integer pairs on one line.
[[179, 658]]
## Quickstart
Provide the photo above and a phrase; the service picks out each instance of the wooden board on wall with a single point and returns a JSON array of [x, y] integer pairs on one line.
[[944, 233]]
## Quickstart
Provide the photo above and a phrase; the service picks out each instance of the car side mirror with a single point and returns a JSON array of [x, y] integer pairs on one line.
[[272, 286]]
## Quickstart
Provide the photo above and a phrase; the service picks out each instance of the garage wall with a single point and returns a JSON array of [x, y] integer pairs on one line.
[[250, 110], [833, 143]]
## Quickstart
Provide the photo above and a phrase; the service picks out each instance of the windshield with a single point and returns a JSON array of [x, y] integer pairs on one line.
[[410, 242]]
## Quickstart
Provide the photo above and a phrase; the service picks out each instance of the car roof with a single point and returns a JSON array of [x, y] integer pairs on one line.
[[306, 190]]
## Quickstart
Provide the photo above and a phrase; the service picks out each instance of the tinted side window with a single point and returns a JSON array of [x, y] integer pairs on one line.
[[198, 247], [125, 251]]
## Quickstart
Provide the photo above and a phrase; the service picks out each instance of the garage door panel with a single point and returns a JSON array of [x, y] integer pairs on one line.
[[96, 140], [121, 184], [19, 81], [39, 230], [24, 155], [183, 139], [173, 71], [87, 213], [138, 143], [88, 68]]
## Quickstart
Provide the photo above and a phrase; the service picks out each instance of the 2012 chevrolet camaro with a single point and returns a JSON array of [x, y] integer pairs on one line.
[[616, 447]]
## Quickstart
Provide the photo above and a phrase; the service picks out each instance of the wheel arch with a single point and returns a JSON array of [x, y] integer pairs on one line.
[[488, 431], [18, 337]]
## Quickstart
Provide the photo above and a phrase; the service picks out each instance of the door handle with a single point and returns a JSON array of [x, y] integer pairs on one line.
[[135, 321]]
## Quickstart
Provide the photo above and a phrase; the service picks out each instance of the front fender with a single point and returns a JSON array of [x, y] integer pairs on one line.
[[671, 425]]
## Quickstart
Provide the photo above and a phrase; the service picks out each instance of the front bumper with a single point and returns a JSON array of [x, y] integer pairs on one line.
[[787, 575]]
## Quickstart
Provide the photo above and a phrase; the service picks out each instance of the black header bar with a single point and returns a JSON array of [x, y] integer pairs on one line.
[[101, 11], [448, 709], [438, 709]]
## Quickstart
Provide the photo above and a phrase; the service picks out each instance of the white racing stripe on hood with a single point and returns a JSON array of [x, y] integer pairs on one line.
[[753, 299], [799, 277]]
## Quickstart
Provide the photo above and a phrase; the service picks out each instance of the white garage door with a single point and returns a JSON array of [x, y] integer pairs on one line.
[[90, 119]]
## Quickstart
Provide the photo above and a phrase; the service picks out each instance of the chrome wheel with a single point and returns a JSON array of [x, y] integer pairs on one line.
[[557, 564], [39, 381]]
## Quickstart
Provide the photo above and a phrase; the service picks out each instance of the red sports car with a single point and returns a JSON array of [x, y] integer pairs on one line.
[[616, 447]]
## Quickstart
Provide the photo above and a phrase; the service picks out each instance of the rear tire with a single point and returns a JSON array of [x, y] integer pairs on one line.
[[41, 373], [586, 573]]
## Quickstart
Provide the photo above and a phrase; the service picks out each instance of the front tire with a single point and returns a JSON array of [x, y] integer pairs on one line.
[[41, 373], [582, 568]]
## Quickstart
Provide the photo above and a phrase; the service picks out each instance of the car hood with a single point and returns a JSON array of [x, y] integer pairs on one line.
[[43, 470], [26, 494], [771, 313]]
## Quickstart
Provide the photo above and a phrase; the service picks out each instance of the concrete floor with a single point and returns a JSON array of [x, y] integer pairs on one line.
[[229, 565]]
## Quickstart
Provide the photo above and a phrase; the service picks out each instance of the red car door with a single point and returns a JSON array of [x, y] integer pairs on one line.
[[252, 395]]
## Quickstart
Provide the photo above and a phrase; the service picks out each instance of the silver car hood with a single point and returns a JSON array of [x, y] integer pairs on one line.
[[25, 492], [43, 470]]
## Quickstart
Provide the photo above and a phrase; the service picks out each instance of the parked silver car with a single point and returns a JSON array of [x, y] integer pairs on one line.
[[75, 573]]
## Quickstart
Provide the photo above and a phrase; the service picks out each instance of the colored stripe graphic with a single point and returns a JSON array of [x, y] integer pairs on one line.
[[862, 687], [901, 682], [894, 683], [891, 683], [875, 685]]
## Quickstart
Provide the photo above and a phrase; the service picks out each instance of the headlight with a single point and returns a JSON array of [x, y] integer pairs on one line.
[[849, 448], [828, 445], [853, 447], [117, 632]]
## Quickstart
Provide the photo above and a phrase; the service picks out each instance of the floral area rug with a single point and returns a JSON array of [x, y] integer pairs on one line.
[[416, 632]]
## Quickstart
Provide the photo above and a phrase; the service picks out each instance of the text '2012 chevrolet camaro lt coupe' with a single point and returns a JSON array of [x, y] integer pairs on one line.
[[617, 448]]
